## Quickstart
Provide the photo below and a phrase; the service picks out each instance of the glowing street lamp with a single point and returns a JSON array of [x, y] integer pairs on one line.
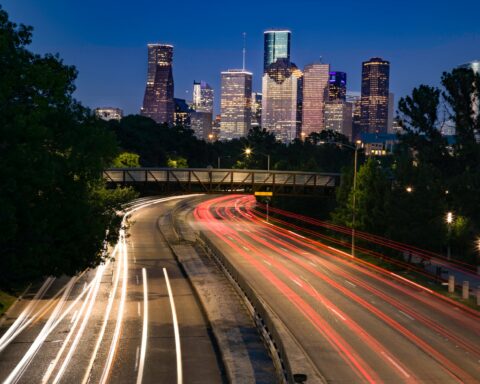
[[248, 152], [449, 220], [409, 189]]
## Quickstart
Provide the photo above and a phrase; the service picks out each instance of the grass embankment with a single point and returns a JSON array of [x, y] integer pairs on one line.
[[6, 300]]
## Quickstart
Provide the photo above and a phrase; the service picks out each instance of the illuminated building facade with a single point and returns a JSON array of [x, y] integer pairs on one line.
[[108, 113], [256, 109], [282, 91], [375, 96], [236, 104], [315, 93], [475, 66], [338, 117], [276, 46], [337, 86], [158, 102], [202, 97], [201, 124], [355, 99], [181, 114]]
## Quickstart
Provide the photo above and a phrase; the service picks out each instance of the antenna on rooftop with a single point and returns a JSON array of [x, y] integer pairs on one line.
[[244, 48]]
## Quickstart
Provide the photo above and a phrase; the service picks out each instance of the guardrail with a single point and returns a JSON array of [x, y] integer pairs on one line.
[[224, 180]]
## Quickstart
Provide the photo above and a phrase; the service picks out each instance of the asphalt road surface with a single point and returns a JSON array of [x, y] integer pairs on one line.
[[135, 320], [354, 322]]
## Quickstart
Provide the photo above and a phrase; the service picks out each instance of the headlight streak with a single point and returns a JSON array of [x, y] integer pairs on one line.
[[143, 348]]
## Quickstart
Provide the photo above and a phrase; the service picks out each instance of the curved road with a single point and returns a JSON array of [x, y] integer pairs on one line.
[[354, 322]]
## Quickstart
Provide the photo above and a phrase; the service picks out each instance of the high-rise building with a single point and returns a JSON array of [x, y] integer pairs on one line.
[[236, 104], [158, 101], [282, 91], [182, 112], [201, 124], [202, 97], [202, 105], [256, 109], [475, 66], [276, 46], [315, 93], [391, 111], [354, 98], [375, 94], [109, 113], [338, 117], [337, 87]]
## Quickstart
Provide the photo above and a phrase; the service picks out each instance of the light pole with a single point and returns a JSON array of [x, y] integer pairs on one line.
[[218, 160], [355, 147], [248, 152], [449, 220]]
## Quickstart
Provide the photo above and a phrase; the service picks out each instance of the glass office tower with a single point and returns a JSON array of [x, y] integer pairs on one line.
[[276, 46], [315, 94], [337, 86], [158, 101], [375, 96], [236, 104]]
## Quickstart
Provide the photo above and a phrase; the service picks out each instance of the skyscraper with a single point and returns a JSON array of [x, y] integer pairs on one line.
[[355, 99], [276, 46], [315, 94], [236, 104], [256, 109], [282, 90], [158, 101], [375, 94], [338, 117], [337, 88], [202, 97]]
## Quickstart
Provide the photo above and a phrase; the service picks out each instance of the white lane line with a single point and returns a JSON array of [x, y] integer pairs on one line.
[[245, 248], [283, 249], [349, 282], [137, 356], [312, 263], [406, 315], [396, 365], [338, 250], [138, 309], [296, 234], [297, 282], [175, 329], [267, 262], [143, 349], [411, 282], [305, 253], [74, 316], [337, 313]]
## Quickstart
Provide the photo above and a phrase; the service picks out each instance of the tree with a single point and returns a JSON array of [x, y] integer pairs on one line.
[[53, 151]]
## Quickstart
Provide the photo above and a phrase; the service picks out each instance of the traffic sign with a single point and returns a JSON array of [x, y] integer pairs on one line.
[[258, 193]]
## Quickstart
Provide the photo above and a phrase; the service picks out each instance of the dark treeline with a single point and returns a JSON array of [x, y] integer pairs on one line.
[[407, 196], [55, 214]]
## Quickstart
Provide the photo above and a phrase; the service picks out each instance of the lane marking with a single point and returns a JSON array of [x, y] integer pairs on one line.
[[396, 365], [411, 282], [312, 263], [296, 234], [245, 248], [138, 309], [297, 282], [175, 329], [136, 278], [143, 349], [406, 315], [283, 249], [338, 250], [349, 282], [267, 262], [137, 356], [337, 313], [74, 316]]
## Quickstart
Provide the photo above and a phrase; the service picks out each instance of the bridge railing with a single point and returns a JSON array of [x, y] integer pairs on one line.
[[224, 180]]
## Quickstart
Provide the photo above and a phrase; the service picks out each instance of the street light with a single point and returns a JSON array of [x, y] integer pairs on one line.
[[248, 152], [409, 189], [355, 147], [449, 220]]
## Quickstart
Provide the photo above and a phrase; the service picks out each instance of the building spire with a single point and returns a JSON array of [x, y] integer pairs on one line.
[[244, 48]]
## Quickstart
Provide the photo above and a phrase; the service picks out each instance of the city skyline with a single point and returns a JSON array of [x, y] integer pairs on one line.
[[107, 53]]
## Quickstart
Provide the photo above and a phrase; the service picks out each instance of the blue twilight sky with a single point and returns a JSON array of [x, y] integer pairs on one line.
[[106, 40]]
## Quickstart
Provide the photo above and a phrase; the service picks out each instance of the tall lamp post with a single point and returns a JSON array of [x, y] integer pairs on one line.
[[355, 148], [449, 220], [248, 152]]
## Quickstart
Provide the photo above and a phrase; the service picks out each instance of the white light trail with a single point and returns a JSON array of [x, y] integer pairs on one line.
[[143, 349], [175, 329]]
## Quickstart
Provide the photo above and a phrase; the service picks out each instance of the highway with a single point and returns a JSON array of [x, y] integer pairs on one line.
[[132, 320], [354, 322]]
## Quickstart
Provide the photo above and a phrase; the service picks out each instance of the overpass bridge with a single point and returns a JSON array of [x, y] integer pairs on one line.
[[205, 180]]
